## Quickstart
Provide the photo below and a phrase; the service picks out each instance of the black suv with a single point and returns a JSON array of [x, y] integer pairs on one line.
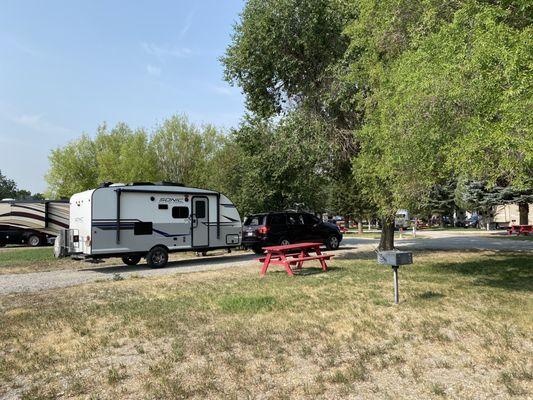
[[288, 227]]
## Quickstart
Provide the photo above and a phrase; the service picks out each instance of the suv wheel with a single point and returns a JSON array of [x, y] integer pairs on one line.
[[131, 260], [332, 242], [157, 257], [284, 242], [34, 241]]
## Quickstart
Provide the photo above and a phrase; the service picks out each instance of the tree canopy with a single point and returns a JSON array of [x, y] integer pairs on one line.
[[427, 89]]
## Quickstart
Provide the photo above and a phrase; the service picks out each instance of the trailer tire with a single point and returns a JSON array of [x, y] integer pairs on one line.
[[34, 241], [131, 260], [157, 257]]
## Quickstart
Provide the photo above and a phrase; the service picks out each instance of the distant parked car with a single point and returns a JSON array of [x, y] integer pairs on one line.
[[472, 222], [10, 235], [287, 227]]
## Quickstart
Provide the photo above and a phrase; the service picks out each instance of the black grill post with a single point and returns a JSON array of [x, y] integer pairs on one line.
[[119, 193]]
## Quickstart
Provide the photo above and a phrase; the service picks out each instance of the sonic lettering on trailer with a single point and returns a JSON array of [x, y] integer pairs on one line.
[[170, 200]]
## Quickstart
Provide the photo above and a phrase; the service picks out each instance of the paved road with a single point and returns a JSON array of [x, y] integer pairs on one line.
[[36, 281]]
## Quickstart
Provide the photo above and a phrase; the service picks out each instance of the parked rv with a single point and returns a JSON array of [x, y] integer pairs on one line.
[[148, 220], [32, 222]]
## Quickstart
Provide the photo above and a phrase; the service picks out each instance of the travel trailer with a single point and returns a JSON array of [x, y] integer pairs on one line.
[[32, 222], [148, 220], [402, 219]]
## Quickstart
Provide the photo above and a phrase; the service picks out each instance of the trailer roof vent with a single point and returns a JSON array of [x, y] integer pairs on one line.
[[167, 183], [140, 184]]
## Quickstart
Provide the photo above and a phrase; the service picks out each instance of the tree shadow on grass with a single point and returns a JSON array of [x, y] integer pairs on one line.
[[360, 255], [514, 272]]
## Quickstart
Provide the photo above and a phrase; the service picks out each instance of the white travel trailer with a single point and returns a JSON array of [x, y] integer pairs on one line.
[[148, 220], [401, 219]]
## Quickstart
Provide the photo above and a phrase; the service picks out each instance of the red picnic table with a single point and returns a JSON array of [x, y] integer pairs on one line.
[[293, 254], [520, 229]]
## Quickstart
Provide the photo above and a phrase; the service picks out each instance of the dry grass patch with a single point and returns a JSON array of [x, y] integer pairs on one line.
[[463, 330]]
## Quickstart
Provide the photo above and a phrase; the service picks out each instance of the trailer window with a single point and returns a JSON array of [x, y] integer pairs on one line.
[[142, 228], [199, 207], [180, 212]]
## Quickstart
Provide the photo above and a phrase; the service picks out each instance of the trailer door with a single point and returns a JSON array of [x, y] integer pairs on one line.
[[200, 221]]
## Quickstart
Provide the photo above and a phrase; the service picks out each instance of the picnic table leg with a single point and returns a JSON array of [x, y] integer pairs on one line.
[[287, 265], [266, 264], [303, 254], [322, 261]]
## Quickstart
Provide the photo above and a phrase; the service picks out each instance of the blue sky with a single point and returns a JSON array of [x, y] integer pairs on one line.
[[67, 66]]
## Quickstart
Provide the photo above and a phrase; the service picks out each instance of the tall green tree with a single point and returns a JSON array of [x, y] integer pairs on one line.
[[183, 150], [8, 187], [177, 151], [73, 168], [416, 91]]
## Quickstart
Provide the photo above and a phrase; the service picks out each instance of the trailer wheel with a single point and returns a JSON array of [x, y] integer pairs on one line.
[[34, 241], [131, 260], [157, 257]]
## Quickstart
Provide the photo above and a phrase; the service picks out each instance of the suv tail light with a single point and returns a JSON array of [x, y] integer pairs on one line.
[[263, 230]]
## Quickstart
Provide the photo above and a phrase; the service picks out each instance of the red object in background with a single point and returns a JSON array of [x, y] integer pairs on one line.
[[263, 230], [520, 230], [343, 229]]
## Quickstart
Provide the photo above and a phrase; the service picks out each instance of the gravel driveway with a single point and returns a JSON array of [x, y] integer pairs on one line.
[[31, 282]]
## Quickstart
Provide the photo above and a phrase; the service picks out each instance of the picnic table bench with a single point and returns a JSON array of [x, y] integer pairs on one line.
[[520, 230], [293, 254]]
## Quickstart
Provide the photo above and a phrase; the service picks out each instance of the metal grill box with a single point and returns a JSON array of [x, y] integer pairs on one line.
[[395, 257]]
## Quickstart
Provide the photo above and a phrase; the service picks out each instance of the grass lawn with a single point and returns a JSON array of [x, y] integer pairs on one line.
[[464, 330]]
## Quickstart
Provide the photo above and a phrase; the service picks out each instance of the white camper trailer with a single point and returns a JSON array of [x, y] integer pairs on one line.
[[148, 220]]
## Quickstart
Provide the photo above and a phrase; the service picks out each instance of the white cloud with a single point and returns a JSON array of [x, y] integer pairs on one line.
[[20, 46], [223, 90], [153, 70], [187, 25], [162, 51], [38, 123]]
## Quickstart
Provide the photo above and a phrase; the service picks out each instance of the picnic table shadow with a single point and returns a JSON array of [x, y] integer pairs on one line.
[[305, 271], [213, 260]]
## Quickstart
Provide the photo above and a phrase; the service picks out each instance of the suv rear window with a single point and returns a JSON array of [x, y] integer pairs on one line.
[[255, 220]]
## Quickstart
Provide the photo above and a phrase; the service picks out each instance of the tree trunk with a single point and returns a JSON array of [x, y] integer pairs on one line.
[[523, 209], [360, 226], [387, 234]]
